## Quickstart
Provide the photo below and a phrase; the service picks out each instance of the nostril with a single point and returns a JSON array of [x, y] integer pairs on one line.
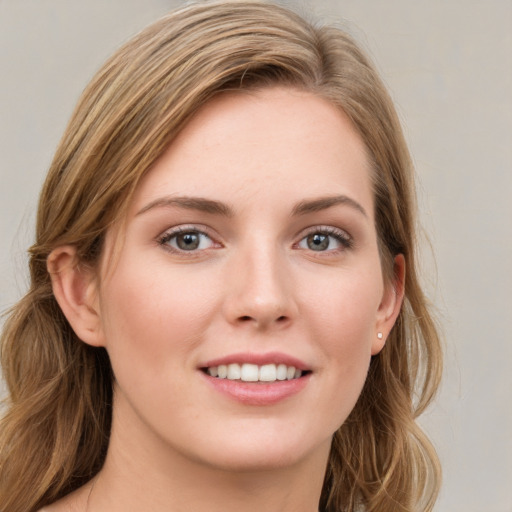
[[248, 318]]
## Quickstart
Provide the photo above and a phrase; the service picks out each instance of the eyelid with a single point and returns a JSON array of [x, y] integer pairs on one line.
[[345, 239], [200, 229]]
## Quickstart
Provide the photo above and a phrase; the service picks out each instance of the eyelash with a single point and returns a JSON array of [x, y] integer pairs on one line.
[[339, 235], [164, 239]]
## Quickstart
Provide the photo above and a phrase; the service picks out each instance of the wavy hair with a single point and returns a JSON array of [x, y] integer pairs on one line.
[[55, 432]]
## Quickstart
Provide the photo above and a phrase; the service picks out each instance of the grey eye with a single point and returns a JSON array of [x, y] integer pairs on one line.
[[325, 240], [188, 241], [318, 241]]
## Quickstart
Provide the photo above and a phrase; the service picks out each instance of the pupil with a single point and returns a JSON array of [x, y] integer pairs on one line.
[[318, 242], [188, 241]]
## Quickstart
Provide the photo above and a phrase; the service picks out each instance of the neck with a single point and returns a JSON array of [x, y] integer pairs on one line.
[[276, 491], [139, 477]]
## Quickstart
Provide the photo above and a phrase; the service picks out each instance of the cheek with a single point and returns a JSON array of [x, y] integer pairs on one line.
[[342, 321], [344, 310], [150, 314]]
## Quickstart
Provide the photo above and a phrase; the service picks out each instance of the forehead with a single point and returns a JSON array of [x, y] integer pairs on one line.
[[270, 144]]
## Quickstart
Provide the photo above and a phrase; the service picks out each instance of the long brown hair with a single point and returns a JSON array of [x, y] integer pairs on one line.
[[55, 433]]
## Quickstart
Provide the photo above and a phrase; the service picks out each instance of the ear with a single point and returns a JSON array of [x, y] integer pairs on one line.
[[75, 288], [390, 305]]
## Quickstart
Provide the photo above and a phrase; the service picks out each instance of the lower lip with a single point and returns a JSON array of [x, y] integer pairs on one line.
[[258, 393]]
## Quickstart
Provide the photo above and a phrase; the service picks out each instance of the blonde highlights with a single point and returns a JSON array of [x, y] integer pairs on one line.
[[56, 429]]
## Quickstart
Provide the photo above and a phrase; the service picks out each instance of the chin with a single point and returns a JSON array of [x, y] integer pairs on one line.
[[256, 452]]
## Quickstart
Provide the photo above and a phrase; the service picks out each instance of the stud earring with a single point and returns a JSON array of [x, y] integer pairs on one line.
[[379, 335]]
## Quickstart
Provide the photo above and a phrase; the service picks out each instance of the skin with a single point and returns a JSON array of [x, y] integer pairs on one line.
[[256, 284]]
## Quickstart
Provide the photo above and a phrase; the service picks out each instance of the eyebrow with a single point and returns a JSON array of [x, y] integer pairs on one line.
[[190, 203], [218, 208], [323, 203]]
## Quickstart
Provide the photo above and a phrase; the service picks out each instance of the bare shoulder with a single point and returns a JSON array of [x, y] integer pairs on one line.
[[63, 505], [74, 502]]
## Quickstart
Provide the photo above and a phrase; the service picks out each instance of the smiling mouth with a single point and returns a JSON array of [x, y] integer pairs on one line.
[[247, 372]]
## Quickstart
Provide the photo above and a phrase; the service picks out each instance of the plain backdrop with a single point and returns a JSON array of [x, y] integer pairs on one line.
[[448, 65]]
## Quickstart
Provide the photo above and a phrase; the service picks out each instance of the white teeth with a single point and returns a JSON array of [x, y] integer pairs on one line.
[[281, 372], [268, 373], [234, 372], [250, 373], [254, 373]]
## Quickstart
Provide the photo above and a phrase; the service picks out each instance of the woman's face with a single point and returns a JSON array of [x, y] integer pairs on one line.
[[249, 250]]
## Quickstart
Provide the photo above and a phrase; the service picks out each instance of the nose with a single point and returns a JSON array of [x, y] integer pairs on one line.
[[260, 293]]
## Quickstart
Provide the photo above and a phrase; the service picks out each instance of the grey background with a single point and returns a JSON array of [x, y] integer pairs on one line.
[[448, 65]]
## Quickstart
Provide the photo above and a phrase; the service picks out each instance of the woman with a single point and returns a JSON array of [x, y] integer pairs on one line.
[[224, 310]]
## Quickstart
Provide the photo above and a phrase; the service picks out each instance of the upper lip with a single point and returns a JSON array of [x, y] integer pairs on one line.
[[258, 359]]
